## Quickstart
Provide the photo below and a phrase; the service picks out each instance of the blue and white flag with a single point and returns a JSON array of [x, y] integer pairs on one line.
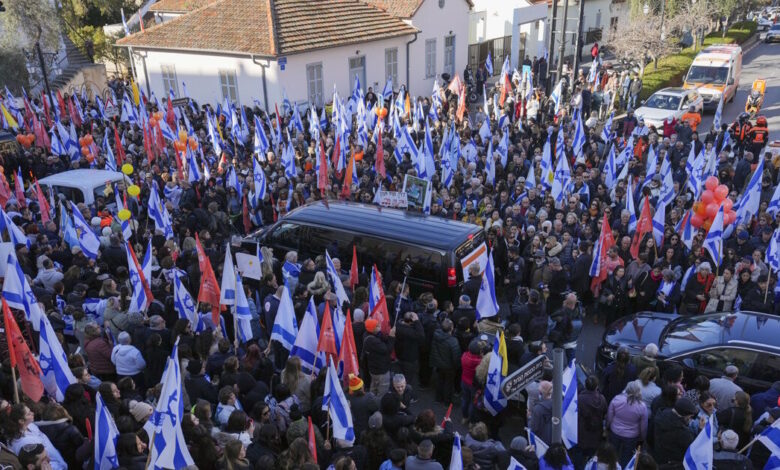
[[106, 434], [751, 197], [490, 164], [427, 199], [578, 141], [290, 271], [456, 459], [652, 163], [258, 176], [193, 169], [138, 301], [18, 293], [610, 168], [88, 241], [714, 241], [718, 115], [487, 304], [515, 465], [285, 327], [243, 315], [216, 142], [774, 204], [57, 147], [387, 91], [530, 179], [261, 144], [183, 302], [484, 130], [772, 464], [503, 149], [227, 293], [305, 346], [110, 159], [631, 465], [489, 64], [770, 437], [630, 207], [495, 401], [659, 219], [15, 234], [55, 373], [700, 453], [335, 280], [540, 447], [334, 401], [667, 183], [404, 145], [159, 214], [555, 96], [547, 175], [169, 448], [562, 179], [569, 421], [772, 256]]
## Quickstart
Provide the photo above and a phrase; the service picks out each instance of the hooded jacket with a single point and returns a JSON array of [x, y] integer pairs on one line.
[[127, 359], [672, 437]]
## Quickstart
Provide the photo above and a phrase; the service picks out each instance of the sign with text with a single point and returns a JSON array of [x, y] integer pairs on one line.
[[515, 382], [415, 189], [392, 199]]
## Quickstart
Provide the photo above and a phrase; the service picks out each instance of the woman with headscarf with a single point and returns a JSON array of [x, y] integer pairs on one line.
[[627, 421]]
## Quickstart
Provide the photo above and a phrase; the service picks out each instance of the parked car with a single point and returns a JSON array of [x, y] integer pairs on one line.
[[390, 238], [670, 102], [702, 344], [83, 185], [773, 34]]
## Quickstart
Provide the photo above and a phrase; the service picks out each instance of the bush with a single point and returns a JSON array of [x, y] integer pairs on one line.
[[671, 69]]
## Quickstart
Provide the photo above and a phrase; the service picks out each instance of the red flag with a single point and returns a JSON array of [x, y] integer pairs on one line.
[[21, 357], [379, 164], [327, 340], [346, 187], [28, 114], [46, 109], [322, 172], [312, 441], [353, 270], [643, 226], [74, 116], [170, 116], [245, 216], [148, 144], [43, 204], [606, 241], [61, 103], [120, 151], [379, 311], [506, 86], [348, 353], [209, 288], [336, 153], [19, 187], [456, 85], [5, 190], [461, 105]]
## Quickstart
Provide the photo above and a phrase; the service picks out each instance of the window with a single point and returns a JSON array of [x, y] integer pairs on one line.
[[391, 65], [449, 55], [769, 369], [715, 360], [314, 83], [227, 81], [169, 79], [540, 30], [285, 236], [357, 66], [598, 19], [430, 58]]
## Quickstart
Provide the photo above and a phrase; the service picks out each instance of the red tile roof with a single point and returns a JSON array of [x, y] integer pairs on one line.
[[403, 8], [272, 27], [179, 6]]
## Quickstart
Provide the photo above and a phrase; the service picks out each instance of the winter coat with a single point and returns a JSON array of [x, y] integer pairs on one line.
[[672, 437], [376, 353], [722, 295], [199, 388], [362, 406], [591, 410], [761, 402], [67, 439], [445, 351], [486, 453], [127, 359], [541, 420], [99, 356]]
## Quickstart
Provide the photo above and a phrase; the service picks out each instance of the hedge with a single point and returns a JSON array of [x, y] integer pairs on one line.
[[671, 69]]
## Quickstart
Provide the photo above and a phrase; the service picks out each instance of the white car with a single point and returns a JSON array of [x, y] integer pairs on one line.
[[670, 102], [83, 185], [773, 34]]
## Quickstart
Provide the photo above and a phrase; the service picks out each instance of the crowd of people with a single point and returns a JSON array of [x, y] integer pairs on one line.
[[248, 404]]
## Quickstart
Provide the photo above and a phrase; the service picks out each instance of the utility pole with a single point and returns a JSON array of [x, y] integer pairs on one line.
[[557, 400], [551, 45], [563, 38], [578, 48], [44, 73]]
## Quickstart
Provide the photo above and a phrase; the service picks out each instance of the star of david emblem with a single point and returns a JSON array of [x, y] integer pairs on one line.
[[188, 304], [492, 377], [134, 278]]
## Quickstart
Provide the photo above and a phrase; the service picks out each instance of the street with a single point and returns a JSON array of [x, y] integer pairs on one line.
[[758, 62]]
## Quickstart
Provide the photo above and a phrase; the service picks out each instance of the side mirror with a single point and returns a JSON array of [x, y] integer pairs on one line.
[[643, 102], [731, 81]]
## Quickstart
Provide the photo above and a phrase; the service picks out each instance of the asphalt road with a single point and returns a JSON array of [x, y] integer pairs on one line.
[[760, 61]]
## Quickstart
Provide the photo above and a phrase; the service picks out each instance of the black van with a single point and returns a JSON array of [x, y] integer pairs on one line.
[[389, 238]]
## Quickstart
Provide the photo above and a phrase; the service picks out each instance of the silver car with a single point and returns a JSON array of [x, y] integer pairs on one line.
[[671, 103], [773, 34]]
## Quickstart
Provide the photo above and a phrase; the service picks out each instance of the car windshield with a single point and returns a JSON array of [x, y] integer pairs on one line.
[[695, 332], [700, 73], [668, 102]]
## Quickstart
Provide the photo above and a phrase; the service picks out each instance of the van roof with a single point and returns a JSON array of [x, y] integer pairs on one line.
[[404, 226], [83, 178]]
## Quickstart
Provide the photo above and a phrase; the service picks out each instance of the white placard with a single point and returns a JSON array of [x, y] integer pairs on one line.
[[478, 256], [249, 266]]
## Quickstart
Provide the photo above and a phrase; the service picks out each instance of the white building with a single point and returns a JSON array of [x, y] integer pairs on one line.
[[598, 19], [253, 49], [516, 28]]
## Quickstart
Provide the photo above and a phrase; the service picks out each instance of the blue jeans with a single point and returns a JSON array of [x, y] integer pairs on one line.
[[624, 446], [467, 399]]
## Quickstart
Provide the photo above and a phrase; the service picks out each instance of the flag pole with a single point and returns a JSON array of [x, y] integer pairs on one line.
[[749, 444], [16, 387], [235, 310], [766, 291], [151, 448]]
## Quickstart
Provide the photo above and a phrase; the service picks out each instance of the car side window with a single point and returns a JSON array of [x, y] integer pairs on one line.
[[718, 359], [769, 370], [286, 235]]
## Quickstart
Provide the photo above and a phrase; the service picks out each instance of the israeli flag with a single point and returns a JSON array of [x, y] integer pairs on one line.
[[138, 301], [228, 288], [168, 448], [667, 183], [290, 271], [55, 373], [456, 461], [659, 219], [285, 328], [606, 133], [296, 121], [490, 164], [562, 179], [305, 346], [428, 165], [495, 401], [489, 64], [214, 137], [714, 241], [700, 453], [242, 313], [774, 204], [770, 437], [569, 421], [17, 291], [484, 130], [487, 304], [555, 96], [286, 104], [166, 131], [106, 434], [15, 234], [578, 141], [772, 256], [335, 280], [631, 465], [334, 401], [515, 465], [183, 301], [158, 213], [94, 308], [258, 175], [127, 231], [718, 115], [57, 148], [545, 165], [110, 159], [540, 447], [193, 170], [427, 198], [751, 197], [630, 208], [503, 149], [88, 241]]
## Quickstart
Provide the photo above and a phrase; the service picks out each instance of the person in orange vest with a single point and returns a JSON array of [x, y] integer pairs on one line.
[[693, 118], [741, 131], [758, 135]]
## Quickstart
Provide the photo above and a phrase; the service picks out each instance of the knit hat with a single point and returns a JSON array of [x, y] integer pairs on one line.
[[355, 383], [371, 325], [729, 439], [685, 407], [140, 410], [375, 420], [518, 443]]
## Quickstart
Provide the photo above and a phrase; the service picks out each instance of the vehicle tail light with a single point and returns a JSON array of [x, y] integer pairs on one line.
[[452, 279]]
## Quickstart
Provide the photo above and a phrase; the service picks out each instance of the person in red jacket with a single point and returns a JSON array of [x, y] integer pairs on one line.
[[469, 362], [669, 126]]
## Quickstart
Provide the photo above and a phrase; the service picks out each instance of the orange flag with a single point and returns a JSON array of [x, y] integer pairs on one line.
[[346, 187], [353, 270], [43, 204], [322, 172], [461, 105], [209, 288], [606, 241], [643, 226], [5, 190], [19, 188], [21, 357], [312, 441], [327, 340], [378, 302], [348, 354]]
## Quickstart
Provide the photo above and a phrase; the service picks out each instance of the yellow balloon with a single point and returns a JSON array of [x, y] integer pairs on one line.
[[124, 214], [183, 136], [134, 190], [127, 169]]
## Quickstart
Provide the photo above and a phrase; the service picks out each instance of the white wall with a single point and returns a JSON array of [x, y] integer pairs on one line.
[[436, 23], [201, 72], [531, 20], [590, 19], [492, 19]]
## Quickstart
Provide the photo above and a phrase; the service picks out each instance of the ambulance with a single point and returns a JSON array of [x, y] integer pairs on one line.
[[715, 73]]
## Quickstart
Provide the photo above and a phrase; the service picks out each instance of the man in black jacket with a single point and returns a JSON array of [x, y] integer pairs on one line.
[[411, 336], [471, 287], [445, 358], [376, 355], [197, 386], [673, 436]]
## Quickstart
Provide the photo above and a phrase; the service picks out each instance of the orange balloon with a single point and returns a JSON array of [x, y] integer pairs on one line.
[[707, 197], [89, 139], [697, 220], [707, 224], [183, 136], [19, 138], [699, 208], [727, 205], [712, 210], [711, 183], [721, 192], [84, 151], [152, 121], [193, 144], [90, 157], [359, 156], [381, 112]]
